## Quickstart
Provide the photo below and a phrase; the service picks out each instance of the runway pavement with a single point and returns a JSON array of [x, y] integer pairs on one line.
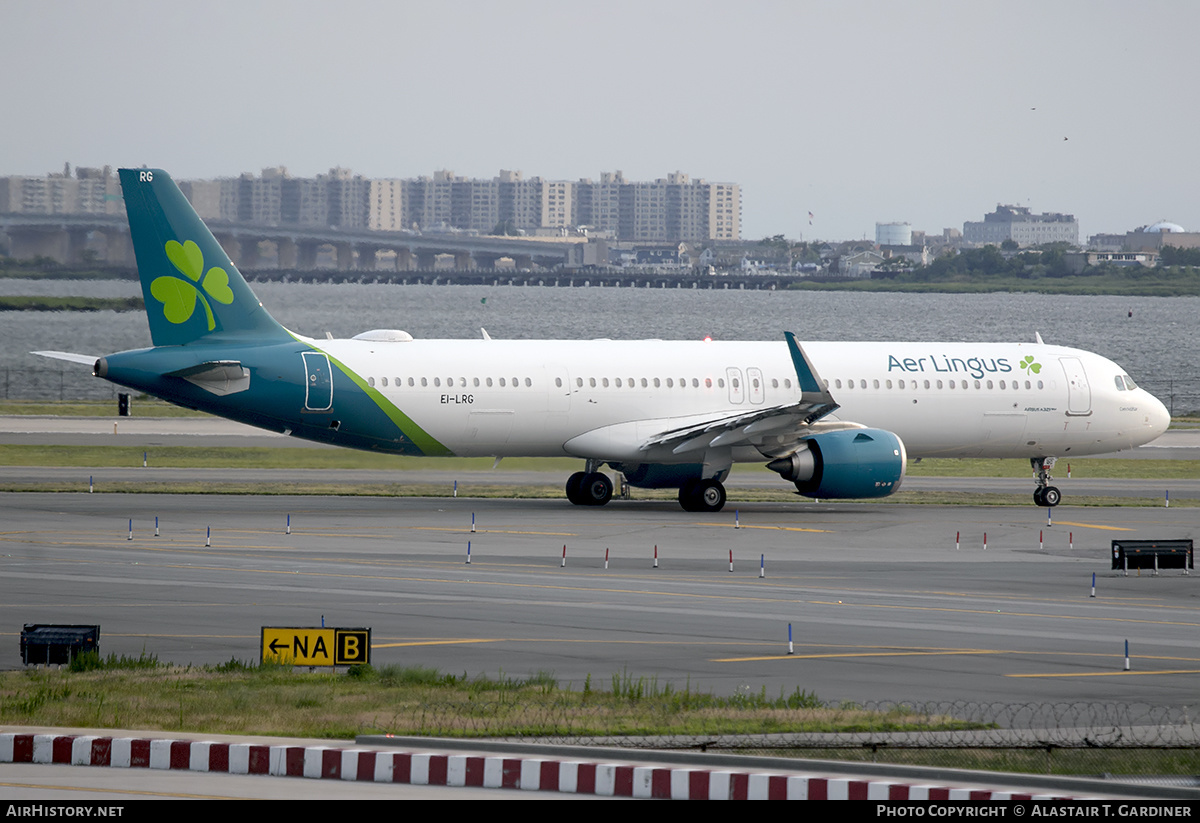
[[883, 606]]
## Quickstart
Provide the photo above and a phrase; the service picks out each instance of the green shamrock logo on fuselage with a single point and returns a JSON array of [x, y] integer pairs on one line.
[[179, 296], [1029, 366]]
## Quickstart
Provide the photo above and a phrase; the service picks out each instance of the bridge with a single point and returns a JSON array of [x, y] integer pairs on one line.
[[556, 278], [68, 239]]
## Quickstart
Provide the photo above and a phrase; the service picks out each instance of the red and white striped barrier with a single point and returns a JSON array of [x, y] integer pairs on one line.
[[524, 773]]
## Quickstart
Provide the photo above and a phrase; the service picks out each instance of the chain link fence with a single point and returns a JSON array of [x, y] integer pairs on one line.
[[70, 383], [1061, 738]]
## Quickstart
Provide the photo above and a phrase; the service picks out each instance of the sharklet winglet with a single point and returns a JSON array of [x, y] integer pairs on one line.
[[811, 386]]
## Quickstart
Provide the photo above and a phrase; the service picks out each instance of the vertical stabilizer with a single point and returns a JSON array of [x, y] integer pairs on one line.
[[191, 288]]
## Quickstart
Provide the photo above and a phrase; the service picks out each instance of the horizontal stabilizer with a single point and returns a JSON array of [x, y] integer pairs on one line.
[[220, 377], [70, 357]]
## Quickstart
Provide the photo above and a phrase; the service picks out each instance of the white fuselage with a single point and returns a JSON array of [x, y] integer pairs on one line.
[[603, 399]]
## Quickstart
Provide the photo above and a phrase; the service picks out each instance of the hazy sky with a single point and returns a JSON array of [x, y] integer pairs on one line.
[[926, 112]]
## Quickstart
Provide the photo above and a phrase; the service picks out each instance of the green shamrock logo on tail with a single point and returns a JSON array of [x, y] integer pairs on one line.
[[1029, 366], [179, 296]]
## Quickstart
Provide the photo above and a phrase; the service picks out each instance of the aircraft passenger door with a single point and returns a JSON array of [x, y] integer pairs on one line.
[[318, 381], [1079, 393], [737, 391], [754, 384]]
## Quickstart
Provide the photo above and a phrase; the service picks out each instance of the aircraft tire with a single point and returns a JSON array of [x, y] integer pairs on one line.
[[687, 496], [575, 489], [710, 496], [702, 496], [1051, 496], [1037, 497], [596, 489]]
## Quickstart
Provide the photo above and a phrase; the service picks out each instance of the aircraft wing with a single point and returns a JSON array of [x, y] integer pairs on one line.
[[782, 424]]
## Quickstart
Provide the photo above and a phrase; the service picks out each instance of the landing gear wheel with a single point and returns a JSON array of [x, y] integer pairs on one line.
[[702, 496], [1047, 496], [687, 495], [596, 489], [575, 489], [1044, 495]]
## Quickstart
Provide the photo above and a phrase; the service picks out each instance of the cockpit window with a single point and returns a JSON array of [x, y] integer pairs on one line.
[[1129, 384], [1120, 381]]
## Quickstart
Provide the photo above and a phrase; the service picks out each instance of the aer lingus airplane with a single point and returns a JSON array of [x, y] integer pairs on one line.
[[839, 420]]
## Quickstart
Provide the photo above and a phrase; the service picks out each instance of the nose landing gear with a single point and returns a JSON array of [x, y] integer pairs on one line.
[[1045, 495]]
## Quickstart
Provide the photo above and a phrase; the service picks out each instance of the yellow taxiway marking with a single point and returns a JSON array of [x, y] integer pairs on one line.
[[461, 530], [910, 607], [437, 642], [935, 652], [771, 528], [830, 655], [50, 787], [1108, 674], [1093, 526]]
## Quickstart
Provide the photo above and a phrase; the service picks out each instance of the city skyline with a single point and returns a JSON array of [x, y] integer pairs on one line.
[[928, 113]]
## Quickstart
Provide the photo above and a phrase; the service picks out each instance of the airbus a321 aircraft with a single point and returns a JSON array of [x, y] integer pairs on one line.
[[839, 420]]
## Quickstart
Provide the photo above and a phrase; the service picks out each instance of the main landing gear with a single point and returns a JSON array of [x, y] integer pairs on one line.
[[1045, 495], [589, 488], [702, 496], [592, 487]]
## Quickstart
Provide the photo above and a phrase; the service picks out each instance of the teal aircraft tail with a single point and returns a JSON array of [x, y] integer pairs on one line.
[[191, 288]]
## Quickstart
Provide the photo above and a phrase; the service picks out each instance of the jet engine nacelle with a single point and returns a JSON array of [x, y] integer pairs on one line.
[[852, 463]]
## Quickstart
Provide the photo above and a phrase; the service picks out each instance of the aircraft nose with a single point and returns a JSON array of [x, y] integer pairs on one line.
[[1158, 419]]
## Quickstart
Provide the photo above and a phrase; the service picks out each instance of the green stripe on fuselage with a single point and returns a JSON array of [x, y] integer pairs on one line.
[[423, 440]]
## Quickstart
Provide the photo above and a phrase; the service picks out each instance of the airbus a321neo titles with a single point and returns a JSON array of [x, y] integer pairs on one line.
[[839, 420]]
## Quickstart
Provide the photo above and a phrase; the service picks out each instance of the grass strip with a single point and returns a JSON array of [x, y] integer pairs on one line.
[[142, 407], [242, 698]]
